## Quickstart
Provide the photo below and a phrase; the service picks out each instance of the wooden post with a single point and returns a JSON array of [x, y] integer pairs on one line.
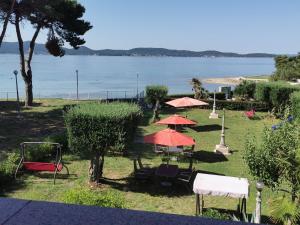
[[197, 204]]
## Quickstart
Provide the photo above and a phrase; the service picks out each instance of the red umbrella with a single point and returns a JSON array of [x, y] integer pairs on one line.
[[176, 120], [169, 137], [186, 102]]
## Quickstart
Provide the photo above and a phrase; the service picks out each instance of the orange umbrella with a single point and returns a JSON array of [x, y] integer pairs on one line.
[[186, 102], [176, 120], [169, 137]]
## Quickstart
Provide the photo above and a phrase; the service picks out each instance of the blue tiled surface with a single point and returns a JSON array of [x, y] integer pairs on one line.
[[15, 212]]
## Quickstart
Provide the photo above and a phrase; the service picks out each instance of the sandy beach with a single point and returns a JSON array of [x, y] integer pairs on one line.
[[232, 80]]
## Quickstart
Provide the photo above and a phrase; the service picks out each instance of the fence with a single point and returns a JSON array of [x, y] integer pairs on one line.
[[104, 95]]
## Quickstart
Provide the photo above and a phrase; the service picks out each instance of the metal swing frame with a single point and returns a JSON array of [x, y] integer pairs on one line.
[[58, 164]]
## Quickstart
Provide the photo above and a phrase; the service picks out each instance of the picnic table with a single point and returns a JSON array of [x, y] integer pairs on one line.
[[216, 185], [167, 171]]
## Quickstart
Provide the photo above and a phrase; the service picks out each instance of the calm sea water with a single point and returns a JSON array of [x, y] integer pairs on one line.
[[97, 74]]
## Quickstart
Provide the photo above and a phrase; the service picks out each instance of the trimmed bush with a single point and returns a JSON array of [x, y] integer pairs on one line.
[[295, 104], [81, 196], [236, 105], [275, 94], [245, 90], [155, 95], [219, 96], [8, 167], [95, 128]]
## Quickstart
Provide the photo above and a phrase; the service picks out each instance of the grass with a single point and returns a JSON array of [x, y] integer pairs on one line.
[[47, 118]]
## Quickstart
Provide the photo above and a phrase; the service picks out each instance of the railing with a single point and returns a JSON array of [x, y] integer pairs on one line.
[[104, 95]]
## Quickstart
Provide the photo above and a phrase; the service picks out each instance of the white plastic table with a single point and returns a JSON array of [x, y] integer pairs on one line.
[[216, 185]]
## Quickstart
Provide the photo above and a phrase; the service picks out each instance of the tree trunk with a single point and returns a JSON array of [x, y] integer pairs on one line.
[[156, 111], [26, 70], [6, 21], [96, 167], [28, 85]]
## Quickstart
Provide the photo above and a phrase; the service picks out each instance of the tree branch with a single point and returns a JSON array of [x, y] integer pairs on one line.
[[6, 21], [32, 43], [21, 46]]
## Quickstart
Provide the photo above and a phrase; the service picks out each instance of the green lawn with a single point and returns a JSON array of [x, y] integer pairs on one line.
[[47, 118]]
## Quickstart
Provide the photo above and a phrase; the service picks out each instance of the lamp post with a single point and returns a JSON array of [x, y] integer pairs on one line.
[[213, 114], [77, 94], [17, 90], [222, 148], [137, 87], [259, 187]]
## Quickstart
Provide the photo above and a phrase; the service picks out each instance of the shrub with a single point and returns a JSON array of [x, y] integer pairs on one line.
[[85, 196], [277, 159], [219, 95], [275, 94], [40, 153], [8, 167], [215, 214], [61, 138], [295, 104], [95, 128], [245, 90]]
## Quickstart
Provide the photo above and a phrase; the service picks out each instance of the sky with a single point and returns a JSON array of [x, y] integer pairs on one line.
[[242, 26]]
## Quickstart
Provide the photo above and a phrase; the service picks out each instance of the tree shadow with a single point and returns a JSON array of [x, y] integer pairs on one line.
[[32, 126], [152, 186], [207, 128], [11, 187], [209, 157]]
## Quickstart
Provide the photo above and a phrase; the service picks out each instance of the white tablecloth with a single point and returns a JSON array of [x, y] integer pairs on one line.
[[206, 184]]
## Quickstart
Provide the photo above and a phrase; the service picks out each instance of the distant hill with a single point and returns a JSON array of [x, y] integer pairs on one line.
[[12, 48]]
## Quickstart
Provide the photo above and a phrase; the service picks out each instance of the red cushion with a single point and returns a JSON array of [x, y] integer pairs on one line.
[[40, 166]]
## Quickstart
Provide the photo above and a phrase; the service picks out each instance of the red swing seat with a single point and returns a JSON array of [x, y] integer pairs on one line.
[[54, 167], [41, 166]]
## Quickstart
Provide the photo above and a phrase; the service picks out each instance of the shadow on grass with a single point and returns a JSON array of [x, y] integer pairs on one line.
[[209, 157], [152, 186], [33, 126], [11, 187], [207, 128], [11, 106]]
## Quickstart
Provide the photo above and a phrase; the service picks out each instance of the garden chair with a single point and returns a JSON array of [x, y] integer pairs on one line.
[[186, 177], [141, 172], [158, 149]]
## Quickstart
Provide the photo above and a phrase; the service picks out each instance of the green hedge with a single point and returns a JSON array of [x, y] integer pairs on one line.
[[275, 94], [219, 96], [235, 105], [239, 105], [85, 196], [295, 104], [101, 125]]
